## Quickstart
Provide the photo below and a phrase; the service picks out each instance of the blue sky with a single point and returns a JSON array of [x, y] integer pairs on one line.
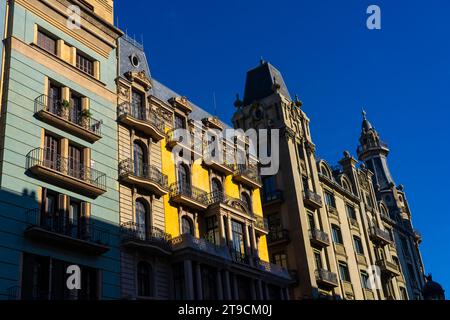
[[399, 74]]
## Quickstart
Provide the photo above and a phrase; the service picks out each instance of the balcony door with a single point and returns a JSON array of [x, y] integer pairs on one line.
[[238, 239], [73, 222], [137, 103], [54, 97], [75, 110], [51, 152], [184, 180], [75, 165], [139, 160], [141, 219]]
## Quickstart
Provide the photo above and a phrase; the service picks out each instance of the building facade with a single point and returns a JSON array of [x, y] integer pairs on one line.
[[58, 161], [327, 225], [192, 224]]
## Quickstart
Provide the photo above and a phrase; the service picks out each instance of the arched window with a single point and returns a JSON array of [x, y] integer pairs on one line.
[[145, 279], [139, 159], [346, 185], [216, 187], [184, 177], [186, 226], [325, 171], [141, 219], [246, 199]]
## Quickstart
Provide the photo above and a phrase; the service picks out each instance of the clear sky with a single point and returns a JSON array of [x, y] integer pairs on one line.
[[399, 74]]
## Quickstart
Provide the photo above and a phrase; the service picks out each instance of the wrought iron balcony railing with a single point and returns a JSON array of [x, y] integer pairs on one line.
[[143, 170], [274, 269], [272, 196], [187, 241], [58, 223], [49, 159], [327, 277], [379, 235], [312, 198], [140, 232], [140, 113], [278, 234], [66, 111], [262, 223], [319, 236], [189, 191]]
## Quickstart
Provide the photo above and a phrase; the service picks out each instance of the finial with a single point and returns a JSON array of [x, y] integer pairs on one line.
[[364, 114], [262, 61], [238, 102], [297, 101]]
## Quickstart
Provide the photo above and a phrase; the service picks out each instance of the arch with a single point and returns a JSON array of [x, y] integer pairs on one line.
[[184, 175], [383, 209], [325, 169], [145, 279], [187, 227], [216, 186], [345, 182], [247, 200], [140, 158]]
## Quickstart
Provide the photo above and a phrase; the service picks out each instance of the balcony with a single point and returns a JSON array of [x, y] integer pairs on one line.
[[319, 238], [60, 114], [141, 119], [189, 196], [388, 267], [59, 230], [66, 173], [261, 224], [353, 223], [326, 278], [240, 258], [340, 250], [272, 197], [361, 259], [248, 175], [332, 211], [380, 236], [144, 176], [274, 269], [368, 294], [137, 237], [313, 199], [278, 236], [187, 242], [223, 162]]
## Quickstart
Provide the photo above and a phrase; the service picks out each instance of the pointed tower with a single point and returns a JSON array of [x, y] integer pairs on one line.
[[395, 210], [373, 151]]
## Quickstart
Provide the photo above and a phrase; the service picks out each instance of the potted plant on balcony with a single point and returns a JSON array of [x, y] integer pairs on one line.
[[64, 109], [86, 116]]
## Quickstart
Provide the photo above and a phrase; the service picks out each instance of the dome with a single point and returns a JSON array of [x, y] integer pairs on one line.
[[433, 290]]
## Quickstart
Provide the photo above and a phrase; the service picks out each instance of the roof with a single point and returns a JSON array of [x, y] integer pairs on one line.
[[260, 81]]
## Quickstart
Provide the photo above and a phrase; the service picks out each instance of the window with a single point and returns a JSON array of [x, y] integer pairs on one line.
[[238, 237], [137, 104], [54, 98], [51, 152], [212, 230], [343, 272], [145, 279], [337, 236], [351, 213], [179, 122], [403, 294], [186, 226], [141, 219], [85, 64], [318, 260], [365, 280], [358, 245], [275, 227], [46, 42], [76, 167], [184, 176], [75, 108], [280, 259], [246, 199], [369, 201], [329, 199], [139, 160], [216, 187], [269, 188], [312, 223]]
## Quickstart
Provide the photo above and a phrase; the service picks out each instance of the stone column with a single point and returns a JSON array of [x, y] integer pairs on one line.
[[188, 279], [219, 285], [228, 295], [266, 289], [223, 237], [260, 290], [253, 288], [230, 232], [235, 288], [286, 293], [198, 282]]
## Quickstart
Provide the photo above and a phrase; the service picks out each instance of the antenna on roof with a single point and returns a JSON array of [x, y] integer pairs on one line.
[[215, 104]]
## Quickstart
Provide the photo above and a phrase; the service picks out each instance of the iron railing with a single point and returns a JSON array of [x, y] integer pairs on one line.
[[185, 241], [278, 235], [381, 234], [270, 196], [261, 223], [240, 257], [142, 114], [52, 160], [371, 145], [327, 276], [274, 269], [56, 107], [81, 228], [248, 171], [319, 235], [312, 196], [187, 190], [136, 231], [143, 170]]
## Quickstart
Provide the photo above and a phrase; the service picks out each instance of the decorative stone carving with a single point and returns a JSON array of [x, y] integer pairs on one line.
[[181, 103], [163, 113], [124, 92], [139, 77], [288, 134], [310, 147], [213, 123]]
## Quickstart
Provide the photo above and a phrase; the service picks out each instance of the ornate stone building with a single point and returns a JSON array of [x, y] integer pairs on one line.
[[331, 226]]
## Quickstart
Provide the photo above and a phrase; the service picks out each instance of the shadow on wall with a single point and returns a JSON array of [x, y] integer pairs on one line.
[[31, 235]]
